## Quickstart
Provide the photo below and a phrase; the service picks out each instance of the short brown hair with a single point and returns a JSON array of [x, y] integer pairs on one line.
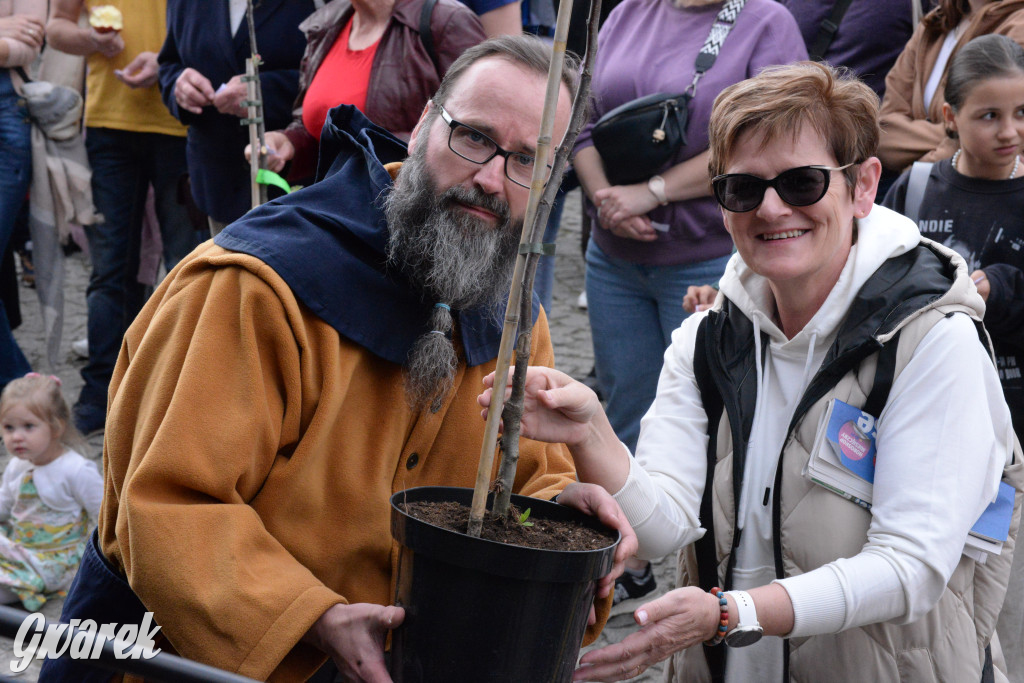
[[781, 99], [528, 51]]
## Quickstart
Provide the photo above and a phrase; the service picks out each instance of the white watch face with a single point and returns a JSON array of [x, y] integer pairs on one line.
[[657, 187]]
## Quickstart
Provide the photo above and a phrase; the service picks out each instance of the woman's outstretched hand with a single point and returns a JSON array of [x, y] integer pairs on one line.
[[677, 620], [556, 408]]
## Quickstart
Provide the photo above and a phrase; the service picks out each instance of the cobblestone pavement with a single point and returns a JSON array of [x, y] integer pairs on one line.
[[573, 355]]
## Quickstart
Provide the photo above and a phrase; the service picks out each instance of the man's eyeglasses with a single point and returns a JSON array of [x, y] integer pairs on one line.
[[472, 145], [803, 186]]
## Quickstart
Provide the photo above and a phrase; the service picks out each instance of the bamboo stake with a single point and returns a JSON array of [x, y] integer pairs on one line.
[[521, 287], [254, 113], [513, 411]]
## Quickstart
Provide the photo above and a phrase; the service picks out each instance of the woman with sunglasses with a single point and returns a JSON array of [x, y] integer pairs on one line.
[[651, 240], [829, 300]]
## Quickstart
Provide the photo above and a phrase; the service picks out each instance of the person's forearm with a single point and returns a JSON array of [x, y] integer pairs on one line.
[[774, 609], [67, 36], [601, 458], [5, 53], [688, 179], [589, 170], [1004, 309]]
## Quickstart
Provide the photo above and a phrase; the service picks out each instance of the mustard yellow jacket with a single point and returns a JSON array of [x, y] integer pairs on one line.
[[249, 457]]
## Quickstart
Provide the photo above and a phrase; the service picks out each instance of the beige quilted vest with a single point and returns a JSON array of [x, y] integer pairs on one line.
[[947, 644]]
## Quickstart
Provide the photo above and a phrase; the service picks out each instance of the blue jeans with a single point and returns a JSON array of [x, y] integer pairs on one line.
[[633, 310], [544, 280], [16, 172], [124, 164]]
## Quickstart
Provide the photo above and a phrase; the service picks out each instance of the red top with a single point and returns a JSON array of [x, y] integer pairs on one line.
[[343, 78]]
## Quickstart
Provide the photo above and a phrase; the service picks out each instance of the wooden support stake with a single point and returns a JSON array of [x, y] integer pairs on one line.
[[520, 295]]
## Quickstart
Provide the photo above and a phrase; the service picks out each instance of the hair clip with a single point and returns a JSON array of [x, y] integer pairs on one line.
[[55, 378]]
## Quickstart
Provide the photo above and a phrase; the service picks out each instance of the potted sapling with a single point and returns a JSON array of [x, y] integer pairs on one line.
[[480, 605]]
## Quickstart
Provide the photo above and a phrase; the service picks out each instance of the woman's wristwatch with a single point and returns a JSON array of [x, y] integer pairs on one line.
[[747, 631], [656, 184]]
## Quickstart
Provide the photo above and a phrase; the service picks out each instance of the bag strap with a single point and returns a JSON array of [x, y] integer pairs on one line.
[[716, 37], [21, 73], [885, 371], [827, 30], [916, 184], [426, 36]]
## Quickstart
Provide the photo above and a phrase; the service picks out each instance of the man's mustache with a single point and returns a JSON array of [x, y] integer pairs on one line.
[[474, 197]]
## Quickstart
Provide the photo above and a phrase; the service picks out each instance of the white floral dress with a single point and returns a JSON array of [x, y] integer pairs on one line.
[[41, 545]]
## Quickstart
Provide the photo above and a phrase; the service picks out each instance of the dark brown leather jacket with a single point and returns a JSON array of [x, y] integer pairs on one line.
[[402, 78]]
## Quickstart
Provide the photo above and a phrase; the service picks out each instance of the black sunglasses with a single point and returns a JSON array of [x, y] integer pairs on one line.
[[802, 186]]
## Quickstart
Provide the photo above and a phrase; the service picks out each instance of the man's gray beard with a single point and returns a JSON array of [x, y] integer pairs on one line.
[[456, 258]]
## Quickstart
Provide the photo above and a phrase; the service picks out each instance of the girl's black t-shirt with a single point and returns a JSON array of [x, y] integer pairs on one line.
[[983, 221]]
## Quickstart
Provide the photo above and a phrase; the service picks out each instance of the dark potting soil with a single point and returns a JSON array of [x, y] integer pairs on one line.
[[545, 534]]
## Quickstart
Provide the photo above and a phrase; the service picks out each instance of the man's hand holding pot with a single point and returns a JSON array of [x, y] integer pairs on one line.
[[593, 500], [353, 635]]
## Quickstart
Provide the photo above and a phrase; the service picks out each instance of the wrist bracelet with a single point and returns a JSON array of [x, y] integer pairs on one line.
[[723, 624]]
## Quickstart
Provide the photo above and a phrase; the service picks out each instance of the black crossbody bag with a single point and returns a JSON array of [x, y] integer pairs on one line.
[[638, 138]]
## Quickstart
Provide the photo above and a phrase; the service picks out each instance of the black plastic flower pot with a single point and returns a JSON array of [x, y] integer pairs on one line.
[[477, 610]]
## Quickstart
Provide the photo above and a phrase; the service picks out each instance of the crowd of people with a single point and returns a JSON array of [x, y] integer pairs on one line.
[[840, 228]]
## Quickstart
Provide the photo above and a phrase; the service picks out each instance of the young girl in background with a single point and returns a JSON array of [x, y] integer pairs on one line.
[[974, 202], [49, 494]]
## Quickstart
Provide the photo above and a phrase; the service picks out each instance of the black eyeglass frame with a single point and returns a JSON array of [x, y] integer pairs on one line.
[[718, 186], [498, 150]]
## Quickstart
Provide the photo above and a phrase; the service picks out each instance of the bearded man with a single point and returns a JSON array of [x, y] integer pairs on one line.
[[322, 353]]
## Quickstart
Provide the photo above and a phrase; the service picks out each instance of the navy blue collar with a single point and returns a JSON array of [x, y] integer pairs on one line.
[[328, 243]]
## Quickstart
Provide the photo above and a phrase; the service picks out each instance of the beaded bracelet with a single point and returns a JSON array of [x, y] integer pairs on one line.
[[723, 624]]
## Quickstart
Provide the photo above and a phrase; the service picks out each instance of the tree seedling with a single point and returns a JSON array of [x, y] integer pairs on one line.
[[515, 338], [524, 517]]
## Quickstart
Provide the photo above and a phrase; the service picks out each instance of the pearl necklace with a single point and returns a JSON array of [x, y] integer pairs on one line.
[[1013, 173]]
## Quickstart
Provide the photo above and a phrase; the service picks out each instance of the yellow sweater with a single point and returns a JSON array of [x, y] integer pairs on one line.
[[249, 457], [109, 103]]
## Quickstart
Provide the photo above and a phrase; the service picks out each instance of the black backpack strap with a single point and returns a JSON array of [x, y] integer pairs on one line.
[[426, 35], [827, 30], [884, 373], [704, 548], [24, 76]]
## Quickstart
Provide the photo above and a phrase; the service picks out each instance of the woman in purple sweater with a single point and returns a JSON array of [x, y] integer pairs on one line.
[[650, 241]]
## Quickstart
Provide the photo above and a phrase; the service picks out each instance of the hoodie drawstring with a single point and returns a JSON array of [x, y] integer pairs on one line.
[[763, 386]]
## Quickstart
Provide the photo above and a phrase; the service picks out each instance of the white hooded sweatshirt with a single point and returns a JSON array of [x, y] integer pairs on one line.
[[945, 417]]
